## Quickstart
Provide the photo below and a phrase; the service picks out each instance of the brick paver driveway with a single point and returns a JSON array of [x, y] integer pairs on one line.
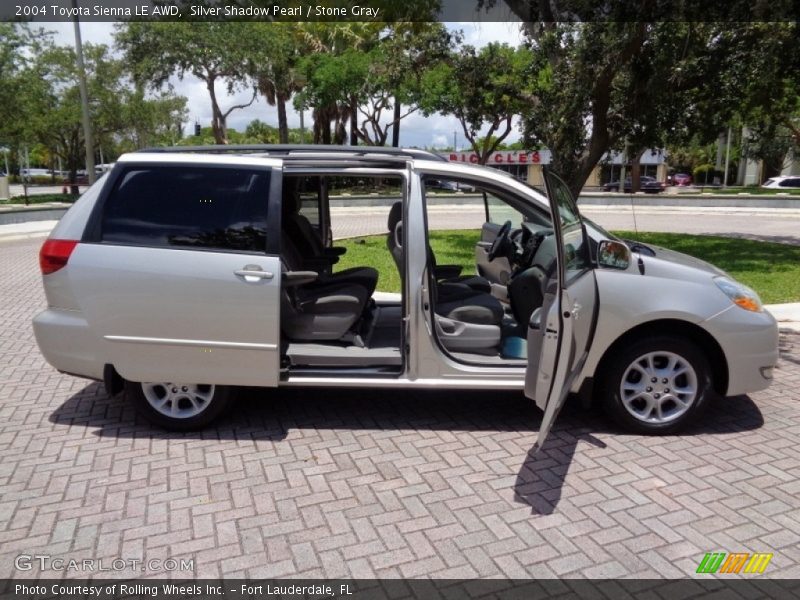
[[365, 484]]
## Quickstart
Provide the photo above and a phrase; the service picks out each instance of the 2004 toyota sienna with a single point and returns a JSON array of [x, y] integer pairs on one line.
[[182, 274]]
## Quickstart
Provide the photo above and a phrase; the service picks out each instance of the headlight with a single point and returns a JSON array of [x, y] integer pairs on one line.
[[740, 295]]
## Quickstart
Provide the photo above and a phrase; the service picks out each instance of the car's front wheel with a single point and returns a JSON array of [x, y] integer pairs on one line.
[[178, 406], [657, 385]]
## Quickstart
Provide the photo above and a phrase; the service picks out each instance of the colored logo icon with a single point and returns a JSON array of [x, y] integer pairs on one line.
[[744, 562]]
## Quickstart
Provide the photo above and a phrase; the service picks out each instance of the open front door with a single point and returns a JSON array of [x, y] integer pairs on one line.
[[560, 333]]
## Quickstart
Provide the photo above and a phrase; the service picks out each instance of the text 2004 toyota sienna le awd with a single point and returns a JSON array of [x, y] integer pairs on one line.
[[182, 274]]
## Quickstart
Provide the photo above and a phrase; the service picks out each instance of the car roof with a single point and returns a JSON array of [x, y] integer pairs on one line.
[[303, 151]]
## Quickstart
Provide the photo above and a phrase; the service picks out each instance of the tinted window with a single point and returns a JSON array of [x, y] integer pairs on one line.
[[214, 208], [790, 183]]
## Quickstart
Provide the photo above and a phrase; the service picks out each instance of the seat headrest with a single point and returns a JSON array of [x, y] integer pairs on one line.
[[290, 201], [395, 216]]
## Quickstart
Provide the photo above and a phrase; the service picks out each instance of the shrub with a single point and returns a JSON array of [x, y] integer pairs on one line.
[[705, 174]]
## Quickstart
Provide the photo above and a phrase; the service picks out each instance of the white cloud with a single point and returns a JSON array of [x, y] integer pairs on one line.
[[439, 141], [479, 34]]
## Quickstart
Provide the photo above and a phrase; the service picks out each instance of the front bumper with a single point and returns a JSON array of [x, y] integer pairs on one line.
[[750, 343]]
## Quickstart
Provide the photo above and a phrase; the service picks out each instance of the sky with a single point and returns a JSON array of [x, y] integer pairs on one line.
[[415, 130]]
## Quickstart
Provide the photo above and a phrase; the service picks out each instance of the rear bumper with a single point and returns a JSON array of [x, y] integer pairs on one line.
[[750, 343], [66, 342]]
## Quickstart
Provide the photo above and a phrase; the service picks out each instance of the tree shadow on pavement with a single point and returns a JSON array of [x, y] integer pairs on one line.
[[268, 415]]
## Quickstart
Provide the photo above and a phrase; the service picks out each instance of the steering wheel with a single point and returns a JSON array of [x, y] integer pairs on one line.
[[500, 243]]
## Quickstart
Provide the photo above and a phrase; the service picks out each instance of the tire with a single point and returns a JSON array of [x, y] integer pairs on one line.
[[176, 406], [642, 405]]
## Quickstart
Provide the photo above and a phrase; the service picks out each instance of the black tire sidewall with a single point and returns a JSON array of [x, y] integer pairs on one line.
[[617, 365], [216, 406]]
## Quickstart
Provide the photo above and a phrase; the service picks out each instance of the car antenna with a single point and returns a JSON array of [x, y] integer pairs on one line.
[[633, 212]]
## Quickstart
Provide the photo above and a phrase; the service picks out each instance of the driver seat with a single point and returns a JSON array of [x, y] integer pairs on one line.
[[444, 274], [453, 298]]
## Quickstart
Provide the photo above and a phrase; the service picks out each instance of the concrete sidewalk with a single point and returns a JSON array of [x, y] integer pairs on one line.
[[787, 315], [23, 231]]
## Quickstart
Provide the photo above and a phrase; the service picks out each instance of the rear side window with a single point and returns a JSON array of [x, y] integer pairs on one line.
[[189, 207], [794, 182]]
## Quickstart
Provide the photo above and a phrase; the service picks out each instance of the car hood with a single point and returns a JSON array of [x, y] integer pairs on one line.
[[670, 257]]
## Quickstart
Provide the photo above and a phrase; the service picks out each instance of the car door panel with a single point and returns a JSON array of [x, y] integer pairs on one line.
[[182, 315], [177, 282], [561, 335]]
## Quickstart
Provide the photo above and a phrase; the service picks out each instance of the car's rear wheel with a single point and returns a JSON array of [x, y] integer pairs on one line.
[[657, 385], [178, 406]]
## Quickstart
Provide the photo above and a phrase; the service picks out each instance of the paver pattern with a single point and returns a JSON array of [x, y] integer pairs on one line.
[[306, 483]]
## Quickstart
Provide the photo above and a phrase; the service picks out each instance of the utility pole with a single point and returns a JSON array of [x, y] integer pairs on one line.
[[396, 124], [727, 158], [302, 127], [87, 123], [454, 141], [622, 170]]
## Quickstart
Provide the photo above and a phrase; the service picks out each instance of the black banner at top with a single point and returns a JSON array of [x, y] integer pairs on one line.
[[402, 10]]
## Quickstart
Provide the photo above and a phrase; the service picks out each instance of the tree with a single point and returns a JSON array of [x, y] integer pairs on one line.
[[273, 64], [600, 86], [19, 85], [54, 93], [213, 51], [258, 132], [770, 105], [485, 87], [148, 121], [331, 39], [615, 74]]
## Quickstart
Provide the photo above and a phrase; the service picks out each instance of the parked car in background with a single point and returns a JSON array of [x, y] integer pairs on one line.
[[782, 181], [184, 274], [27, 173], [680, 179], [647, 184], [447, 186]]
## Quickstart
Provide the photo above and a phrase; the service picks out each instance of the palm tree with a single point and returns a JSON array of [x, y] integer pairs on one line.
[[273, 67]]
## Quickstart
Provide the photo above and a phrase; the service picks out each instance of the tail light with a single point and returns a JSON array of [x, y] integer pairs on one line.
[[55, 254]]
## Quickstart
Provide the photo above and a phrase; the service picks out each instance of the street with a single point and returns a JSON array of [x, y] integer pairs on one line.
[[304, 484], [773, 225]]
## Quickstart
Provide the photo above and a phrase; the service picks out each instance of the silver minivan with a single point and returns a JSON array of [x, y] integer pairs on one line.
[[181, 275]]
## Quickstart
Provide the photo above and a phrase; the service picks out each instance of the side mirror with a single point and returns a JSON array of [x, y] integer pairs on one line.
[[612, 254]]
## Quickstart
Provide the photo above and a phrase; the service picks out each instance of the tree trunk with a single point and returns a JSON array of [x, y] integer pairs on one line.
[[283, 126], [218, 126], [396, 125], [353, 123], [322, 126], [636, 171]]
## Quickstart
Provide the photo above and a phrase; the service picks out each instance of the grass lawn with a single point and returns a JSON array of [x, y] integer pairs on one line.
[[41, 198], [773, 270], [756, 191]]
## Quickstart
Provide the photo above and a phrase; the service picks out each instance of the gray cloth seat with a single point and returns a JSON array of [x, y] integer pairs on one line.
[[452, 299], [314, 254], [445, 274], [320, 310], [462, 303]]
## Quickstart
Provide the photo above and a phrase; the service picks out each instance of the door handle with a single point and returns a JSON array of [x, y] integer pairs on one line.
[[253, 272]]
